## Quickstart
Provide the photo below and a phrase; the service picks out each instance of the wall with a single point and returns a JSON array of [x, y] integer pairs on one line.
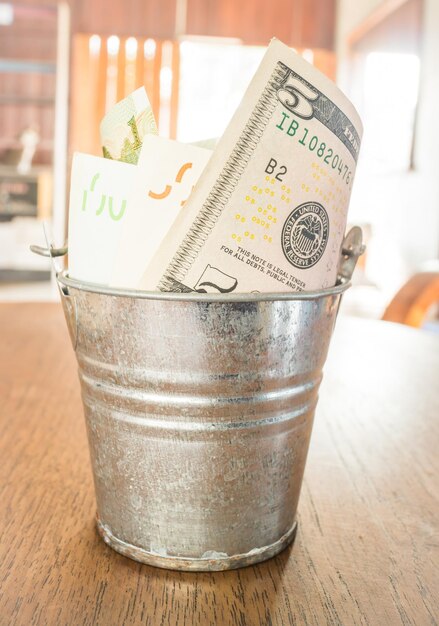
[[301, 23], [403, 207], [350, 15]]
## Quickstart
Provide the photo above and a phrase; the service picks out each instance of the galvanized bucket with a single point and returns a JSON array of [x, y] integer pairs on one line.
[[199, 411]]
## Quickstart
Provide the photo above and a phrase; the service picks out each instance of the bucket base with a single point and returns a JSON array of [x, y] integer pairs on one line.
[[196, 565]]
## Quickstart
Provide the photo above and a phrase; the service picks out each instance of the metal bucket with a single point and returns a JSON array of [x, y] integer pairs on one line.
[[199, 411]]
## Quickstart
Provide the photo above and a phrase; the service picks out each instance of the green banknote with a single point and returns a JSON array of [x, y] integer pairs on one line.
[[124, 126], [269, 211]]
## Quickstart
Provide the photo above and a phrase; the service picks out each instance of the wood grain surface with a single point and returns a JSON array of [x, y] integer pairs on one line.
[[367, 548]]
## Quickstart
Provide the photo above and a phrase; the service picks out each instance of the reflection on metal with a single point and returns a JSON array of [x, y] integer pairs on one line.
[[199, 411]]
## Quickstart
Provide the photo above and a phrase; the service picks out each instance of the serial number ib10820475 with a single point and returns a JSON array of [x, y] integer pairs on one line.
[[322, 150]]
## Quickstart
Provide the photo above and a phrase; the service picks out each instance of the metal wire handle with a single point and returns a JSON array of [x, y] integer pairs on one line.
[[352, 248], [49, 252]]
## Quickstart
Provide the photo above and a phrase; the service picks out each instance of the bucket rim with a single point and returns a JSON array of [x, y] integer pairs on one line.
[[64, 280]]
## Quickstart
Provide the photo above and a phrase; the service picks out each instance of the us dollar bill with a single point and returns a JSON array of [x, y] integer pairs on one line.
[[124, 126], [269, 211]]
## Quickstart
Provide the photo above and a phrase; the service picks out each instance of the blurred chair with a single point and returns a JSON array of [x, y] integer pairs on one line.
[[413, 301]]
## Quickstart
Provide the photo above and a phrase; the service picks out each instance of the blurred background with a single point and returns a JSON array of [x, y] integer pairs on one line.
[[62, 65]]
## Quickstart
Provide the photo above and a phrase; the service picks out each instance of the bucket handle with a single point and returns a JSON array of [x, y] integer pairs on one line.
[[69, 302], [49, 253], [351, 249], [70, 313]]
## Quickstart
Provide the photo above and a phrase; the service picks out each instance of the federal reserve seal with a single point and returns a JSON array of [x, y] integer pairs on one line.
[[305, 235]]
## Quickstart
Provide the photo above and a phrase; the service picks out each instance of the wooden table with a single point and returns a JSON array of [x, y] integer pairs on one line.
[[367, 544]]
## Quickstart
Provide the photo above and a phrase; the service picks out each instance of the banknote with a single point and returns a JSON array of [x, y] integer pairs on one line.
[[99, 205], [166, 174], [124, 126], [269, 211]]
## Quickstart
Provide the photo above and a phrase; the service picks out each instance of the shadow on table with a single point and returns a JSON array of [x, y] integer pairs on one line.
[[102, 587]]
